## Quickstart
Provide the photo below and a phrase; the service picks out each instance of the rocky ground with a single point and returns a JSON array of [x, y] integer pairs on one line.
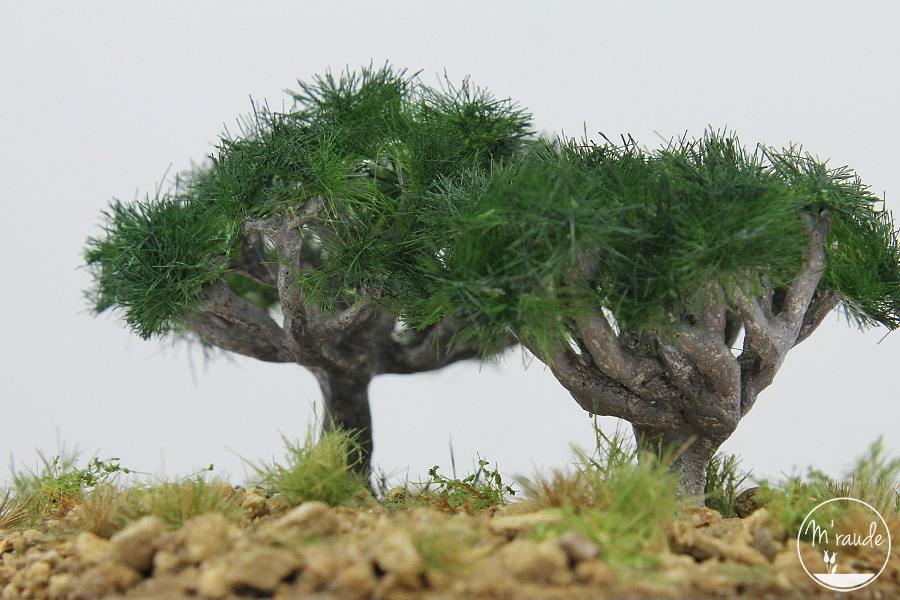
[[317, 551]]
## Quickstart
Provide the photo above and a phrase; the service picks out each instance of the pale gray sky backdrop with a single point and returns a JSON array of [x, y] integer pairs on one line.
[[97, 99]]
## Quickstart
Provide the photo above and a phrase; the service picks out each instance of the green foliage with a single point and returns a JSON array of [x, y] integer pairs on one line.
[[359, 109], [154, 260], [478, 491], [723, 478], [863, 251], [615, 497], [864, 268], [276, 161], [319, 469], [367, 144], [429, 137], [57, 485], [644, 235], [441, 201], [427, 133]]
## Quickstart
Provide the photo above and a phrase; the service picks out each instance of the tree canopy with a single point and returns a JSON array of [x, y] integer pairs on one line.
[[237, 254], [502, 246], [347, 142]]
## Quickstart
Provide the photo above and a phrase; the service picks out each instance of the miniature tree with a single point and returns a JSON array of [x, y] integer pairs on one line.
[[229, 255], [632, 274]]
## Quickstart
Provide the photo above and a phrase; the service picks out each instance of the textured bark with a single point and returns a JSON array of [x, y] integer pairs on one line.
[[684, 388], [692, 456], [346, 406], [227, 321]]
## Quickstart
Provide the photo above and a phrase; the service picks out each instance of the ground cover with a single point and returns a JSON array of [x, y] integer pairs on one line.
[[611, 526]]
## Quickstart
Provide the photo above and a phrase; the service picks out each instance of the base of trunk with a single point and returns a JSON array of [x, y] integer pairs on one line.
[[346, 399], [692, 456]]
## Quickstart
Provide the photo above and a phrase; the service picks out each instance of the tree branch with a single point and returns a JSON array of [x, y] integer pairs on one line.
[[706, 348], [821, 305], [252, 262], [599, 394], [356, 317], [433, 348], [759, 336], [801, 290], [228, 321], [288, 242], [603, 345], [771, 333], [643, 376]]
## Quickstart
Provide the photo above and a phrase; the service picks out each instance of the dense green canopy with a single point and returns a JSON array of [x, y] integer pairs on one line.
[[352, 141], [440, 203], [500, 246]]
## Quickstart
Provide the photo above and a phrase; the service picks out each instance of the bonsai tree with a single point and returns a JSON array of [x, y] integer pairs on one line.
[[230, 255], [632, 274]]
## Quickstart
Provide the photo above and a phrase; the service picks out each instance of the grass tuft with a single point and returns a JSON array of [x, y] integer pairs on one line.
[[874, 479], [617, 498], [109, 508], [723, 479], [179, 501], [12, 516], [317, 470], [53, 488], [445, 548]]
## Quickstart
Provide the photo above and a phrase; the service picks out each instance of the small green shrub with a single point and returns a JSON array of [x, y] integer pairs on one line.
[[476, 492]]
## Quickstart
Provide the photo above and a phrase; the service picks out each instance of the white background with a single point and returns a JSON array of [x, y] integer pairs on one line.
[[97, 99]]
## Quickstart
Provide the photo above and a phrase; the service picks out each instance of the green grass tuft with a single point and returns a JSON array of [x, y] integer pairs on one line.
[[723, 479], [53, 488], [875, 479], [617, 498], [317, 470], [108, 508]]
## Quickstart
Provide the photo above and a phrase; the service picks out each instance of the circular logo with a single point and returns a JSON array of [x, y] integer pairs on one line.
[[854, 544]]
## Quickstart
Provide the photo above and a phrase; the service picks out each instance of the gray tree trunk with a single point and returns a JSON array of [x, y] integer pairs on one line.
[[685, 383], [693, 453], [344, 347], [346, 404]]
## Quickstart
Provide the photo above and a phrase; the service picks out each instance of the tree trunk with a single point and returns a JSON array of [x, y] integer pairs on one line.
[[346, 398], [694, 453]]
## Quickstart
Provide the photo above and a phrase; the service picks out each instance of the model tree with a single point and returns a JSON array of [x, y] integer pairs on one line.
[[230, 256], [633, 275]]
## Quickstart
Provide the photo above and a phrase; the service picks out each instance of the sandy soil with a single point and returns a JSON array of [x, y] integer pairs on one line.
[[316, 551]]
